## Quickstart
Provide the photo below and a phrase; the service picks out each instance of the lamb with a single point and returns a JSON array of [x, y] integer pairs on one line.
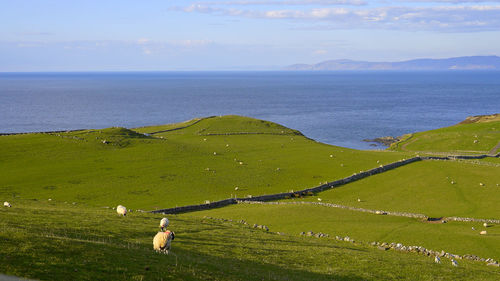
[[162, 241], [121, 210], [7, 204], [163, 224]]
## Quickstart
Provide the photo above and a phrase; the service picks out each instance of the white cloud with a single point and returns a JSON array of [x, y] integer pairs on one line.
[[320, 52], [142, 41], [446, 18], [285, 2]]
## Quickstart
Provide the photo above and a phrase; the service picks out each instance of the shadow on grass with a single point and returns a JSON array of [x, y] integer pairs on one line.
[[46, 259]]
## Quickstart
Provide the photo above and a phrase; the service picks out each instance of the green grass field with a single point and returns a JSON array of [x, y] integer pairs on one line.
[[56, 241], [149, 172], [471, 138], [72, 237], [453, 237], [433, 188]]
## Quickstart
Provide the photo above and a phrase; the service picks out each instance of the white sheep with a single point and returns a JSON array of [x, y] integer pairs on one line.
[[121, 210], [484, 232], [164, 223], [454, 262], [7, 204], [162, 241], [236, 188], [319, 199], [485, 224], [437, 259]]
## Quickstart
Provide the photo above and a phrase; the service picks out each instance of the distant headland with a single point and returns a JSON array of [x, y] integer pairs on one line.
[[458, 63]]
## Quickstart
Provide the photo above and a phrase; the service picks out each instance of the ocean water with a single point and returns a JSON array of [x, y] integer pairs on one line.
[[340, 108]]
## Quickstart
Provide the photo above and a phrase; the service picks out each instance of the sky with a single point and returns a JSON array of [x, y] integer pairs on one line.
[[133, 35]]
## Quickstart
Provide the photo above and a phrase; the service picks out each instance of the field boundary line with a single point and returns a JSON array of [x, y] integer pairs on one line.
[[377, 212], [317, 189], [183, 127]]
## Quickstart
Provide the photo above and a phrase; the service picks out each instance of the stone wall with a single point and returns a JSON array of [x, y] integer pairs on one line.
[[323, 187], [287, 195]]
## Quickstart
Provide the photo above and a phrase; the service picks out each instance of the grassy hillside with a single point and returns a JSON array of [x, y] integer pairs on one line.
[[433, 188], [454, 237], [41, 240], [72, 237], [119, 166], [478, 137]]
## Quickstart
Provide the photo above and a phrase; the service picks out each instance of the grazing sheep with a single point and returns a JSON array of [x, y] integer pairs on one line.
[[162, 241], [481, 184], [163, 224], [473, 228], [236, 188], [483, 232], [121, 210], [319, 199], [359, 200], [485, 224], [454, 262], [7, 204], [437, 259]]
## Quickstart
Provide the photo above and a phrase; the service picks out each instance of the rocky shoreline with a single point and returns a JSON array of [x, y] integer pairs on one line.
[[387, 141]]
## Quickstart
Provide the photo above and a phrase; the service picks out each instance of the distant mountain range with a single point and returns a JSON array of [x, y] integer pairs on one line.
[[459, 63]]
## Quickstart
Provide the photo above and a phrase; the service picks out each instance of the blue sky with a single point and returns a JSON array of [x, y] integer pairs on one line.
[[88, 35]]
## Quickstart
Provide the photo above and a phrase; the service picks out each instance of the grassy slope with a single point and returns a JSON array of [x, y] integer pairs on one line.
[[455, 139], [41, 240], [454, 237], [425, 187], [166, 127], [149, 172]]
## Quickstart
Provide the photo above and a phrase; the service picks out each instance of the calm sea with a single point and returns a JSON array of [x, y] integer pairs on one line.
[[331, 107]]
